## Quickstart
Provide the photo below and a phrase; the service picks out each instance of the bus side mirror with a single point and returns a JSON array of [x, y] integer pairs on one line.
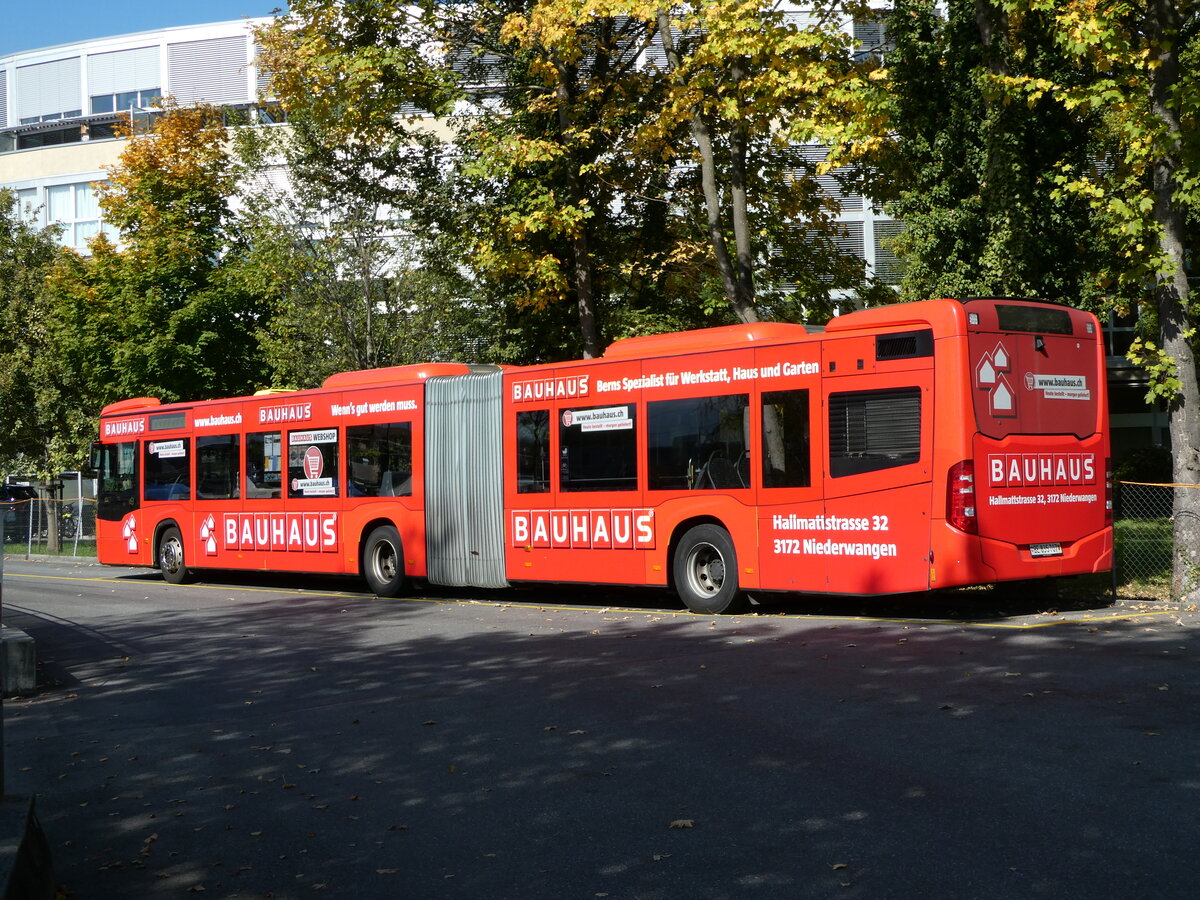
[[95, 457]]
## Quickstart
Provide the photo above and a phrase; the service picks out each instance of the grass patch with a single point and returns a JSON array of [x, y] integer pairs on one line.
[[1142, 551], [86, 549]]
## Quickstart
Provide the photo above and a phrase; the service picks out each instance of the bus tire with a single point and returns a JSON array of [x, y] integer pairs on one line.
[[171, 562], [705, 571], [383, 562]]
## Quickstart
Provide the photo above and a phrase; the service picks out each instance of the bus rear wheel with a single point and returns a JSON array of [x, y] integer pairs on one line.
[[706, 573], [170, 557], [383, 562]]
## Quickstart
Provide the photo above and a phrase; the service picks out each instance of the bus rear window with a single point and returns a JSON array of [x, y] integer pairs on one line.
[[1035, 319]]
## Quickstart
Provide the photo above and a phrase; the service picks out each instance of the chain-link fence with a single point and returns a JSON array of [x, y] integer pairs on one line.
[[1143, 537], [57, 518]]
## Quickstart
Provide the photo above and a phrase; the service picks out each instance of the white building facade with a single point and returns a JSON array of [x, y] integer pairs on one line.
[[59, 107]]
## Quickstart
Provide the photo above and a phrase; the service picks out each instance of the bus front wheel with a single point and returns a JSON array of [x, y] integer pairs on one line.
[[383, 562], [170, 557], [705, 571]]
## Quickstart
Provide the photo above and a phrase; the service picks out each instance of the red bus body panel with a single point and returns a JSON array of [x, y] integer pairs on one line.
[[970, 383]]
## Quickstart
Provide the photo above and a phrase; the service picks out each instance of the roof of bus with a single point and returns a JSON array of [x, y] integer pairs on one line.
[[946, 315], [943, 315], [418, 372], [723, 337], [340, 380]]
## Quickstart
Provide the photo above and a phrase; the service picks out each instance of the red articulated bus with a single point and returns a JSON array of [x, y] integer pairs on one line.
[[903, 448]]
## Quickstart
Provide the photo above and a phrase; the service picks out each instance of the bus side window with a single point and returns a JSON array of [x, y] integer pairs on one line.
[[598, 449], [533, 452], [118, 481], [874, 430], [313, 463], [785, 442], [698, 443], [379, 460], [218, 459], [264, 465], [168, 475]]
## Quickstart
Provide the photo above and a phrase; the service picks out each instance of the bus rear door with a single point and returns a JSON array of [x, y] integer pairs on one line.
[[878, 405]]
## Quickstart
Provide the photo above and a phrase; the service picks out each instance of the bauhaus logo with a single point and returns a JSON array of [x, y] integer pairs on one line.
[[629, 529], [129, 534], [208, 535], [303, 532], [993, 374], [541, 389], [1041, 469]]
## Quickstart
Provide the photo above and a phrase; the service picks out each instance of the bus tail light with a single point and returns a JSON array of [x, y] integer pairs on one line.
[[961, 501], [1108, 491]]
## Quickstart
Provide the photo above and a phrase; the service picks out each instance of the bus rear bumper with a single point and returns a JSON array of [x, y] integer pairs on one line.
[[1088, 555], [960, 559]]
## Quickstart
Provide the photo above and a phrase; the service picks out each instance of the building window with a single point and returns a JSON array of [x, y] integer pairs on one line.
[[124, 101], [52, 117], [101, 131], [75, 207], [26, 204], [72, 135]]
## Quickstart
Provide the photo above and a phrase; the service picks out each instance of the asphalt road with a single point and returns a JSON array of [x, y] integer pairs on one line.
[[296, 739]]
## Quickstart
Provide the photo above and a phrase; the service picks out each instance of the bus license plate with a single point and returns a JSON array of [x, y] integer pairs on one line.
[[1045, 549]]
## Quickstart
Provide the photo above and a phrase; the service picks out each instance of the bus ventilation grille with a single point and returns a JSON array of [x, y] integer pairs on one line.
[[908, 345]]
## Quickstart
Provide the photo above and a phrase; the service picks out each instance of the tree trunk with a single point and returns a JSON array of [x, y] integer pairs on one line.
[[741, 210], [743, 303], [1174, 320], [581, 252], [51, 508]]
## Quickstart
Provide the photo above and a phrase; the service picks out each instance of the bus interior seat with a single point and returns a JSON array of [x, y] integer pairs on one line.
[[395, 484]]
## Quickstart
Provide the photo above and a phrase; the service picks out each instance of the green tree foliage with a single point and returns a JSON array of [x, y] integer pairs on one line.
[[1142, 189], [971, 172], [497, 187], [353, 286], [26, 256], [162, 313], [742, 85], [567, 172]]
